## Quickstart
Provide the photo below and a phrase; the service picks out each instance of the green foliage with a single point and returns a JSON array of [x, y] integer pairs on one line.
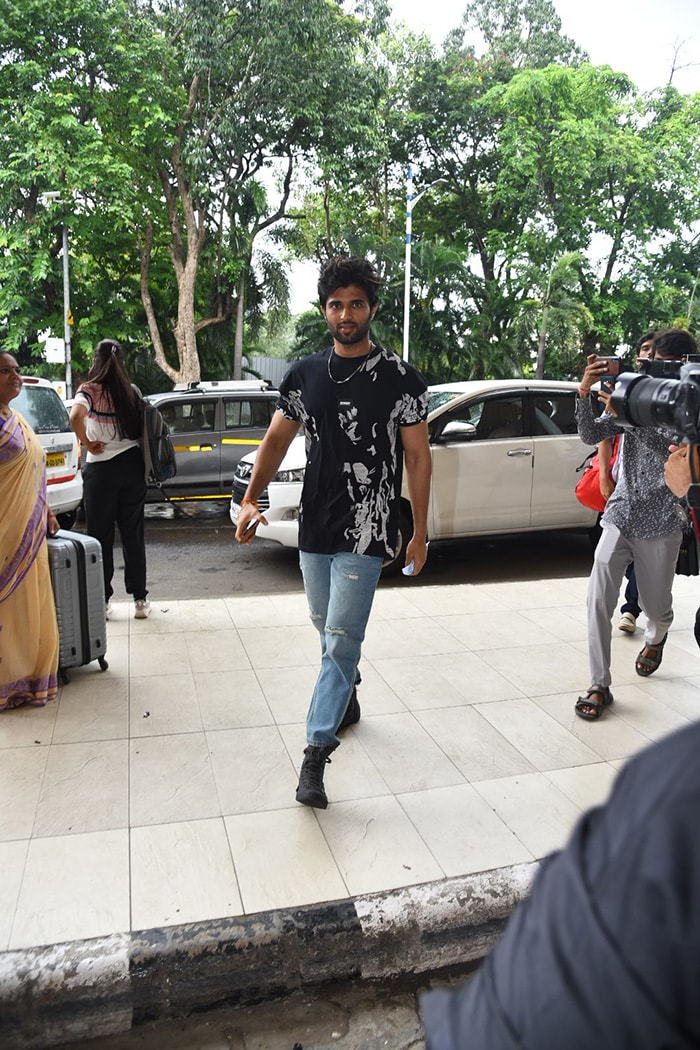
[[66, 86], [521, 34], [541, 162], [310, 335], [195, 142], [155, 123]]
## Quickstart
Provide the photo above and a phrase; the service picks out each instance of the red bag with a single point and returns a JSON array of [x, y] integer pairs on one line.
[[588, 485]]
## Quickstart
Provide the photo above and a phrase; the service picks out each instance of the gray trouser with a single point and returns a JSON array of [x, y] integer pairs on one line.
[[654, 565]]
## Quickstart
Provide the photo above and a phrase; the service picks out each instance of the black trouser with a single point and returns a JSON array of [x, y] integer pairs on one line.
[[114, 493]]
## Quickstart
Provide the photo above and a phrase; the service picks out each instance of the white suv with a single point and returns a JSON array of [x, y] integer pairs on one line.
[[505, 455], [43, 409], [280, 500]]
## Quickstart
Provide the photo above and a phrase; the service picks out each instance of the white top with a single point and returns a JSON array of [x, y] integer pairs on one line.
[[100, 423]]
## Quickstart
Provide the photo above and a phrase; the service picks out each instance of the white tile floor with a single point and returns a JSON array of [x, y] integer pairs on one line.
[[162, 791]]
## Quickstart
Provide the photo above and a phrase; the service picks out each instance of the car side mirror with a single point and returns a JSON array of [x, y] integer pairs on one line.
[[457, 430]]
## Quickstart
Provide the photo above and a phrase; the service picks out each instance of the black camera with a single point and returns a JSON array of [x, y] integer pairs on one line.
[[663, 394], [660, 368]]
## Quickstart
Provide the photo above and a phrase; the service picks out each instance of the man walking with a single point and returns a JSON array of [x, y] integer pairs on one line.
[[363, 411]]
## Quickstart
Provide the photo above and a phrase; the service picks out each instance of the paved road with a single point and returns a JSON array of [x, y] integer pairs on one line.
[[192, 553], [361, 1016]]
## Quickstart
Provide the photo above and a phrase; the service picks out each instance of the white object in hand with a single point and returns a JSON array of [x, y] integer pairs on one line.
[[408, 569]]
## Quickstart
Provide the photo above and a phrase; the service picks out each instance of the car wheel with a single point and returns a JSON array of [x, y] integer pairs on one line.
[[67, 519], [392, 566]]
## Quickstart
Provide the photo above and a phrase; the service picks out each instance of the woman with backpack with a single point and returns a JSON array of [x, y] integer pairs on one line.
[[107, 417]]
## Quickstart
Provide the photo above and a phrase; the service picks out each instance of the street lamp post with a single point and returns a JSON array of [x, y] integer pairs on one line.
[[56, 195], [411, 201], [67, 317]]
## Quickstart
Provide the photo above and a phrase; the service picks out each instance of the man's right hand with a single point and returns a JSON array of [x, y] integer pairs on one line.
[[595, 370], [607, 487], [248, 520]]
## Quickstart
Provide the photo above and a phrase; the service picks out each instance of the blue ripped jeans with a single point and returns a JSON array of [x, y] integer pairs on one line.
[[340, 590]]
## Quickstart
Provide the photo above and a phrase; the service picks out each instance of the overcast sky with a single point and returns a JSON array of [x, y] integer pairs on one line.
[[637, 39]]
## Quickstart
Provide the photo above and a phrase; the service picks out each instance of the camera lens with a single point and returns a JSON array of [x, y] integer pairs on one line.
[[641, 401]]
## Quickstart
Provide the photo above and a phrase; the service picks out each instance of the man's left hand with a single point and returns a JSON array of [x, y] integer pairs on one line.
[[416, 553]]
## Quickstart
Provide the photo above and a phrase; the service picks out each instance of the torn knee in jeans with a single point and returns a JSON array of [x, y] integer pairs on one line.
[[335, 630]]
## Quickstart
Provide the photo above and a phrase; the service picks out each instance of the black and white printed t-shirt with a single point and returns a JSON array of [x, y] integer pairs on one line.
[[350, 498]]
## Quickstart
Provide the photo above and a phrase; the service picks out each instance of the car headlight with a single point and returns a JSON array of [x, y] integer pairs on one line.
[[287, 476]]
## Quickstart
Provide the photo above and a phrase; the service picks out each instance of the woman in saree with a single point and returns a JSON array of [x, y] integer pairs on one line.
[[28, 627]]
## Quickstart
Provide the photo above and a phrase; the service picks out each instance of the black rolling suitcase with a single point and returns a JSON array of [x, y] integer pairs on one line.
[[78, 586]]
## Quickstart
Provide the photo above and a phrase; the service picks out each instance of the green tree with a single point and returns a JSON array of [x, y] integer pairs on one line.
[[65, 76], [248, 111], [549, 161], [162, 124], [520, 34], [555, 322]]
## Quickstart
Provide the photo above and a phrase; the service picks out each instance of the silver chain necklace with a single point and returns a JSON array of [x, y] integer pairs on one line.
[[339, 382]]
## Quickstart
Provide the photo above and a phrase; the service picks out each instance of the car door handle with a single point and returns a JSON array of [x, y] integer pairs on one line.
[[519, 452]]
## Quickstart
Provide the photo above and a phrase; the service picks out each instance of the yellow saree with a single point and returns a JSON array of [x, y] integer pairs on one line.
[[28, 628]]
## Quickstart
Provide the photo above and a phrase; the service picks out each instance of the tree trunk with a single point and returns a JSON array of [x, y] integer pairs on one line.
[[238, 337], [153, 328], [542, 339], [185, 330]]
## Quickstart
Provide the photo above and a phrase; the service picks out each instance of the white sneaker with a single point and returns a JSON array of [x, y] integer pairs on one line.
[[142, 607], [108, 610], [628, 623]]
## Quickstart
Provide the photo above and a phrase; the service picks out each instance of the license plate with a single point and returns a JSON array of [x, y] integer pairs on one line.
[[55, 459]]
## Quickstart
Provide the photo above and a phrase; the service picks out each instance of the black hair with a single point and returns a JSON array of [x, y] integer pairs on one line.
[[673, 343], [340, 271], [644, 339], [109, 372]]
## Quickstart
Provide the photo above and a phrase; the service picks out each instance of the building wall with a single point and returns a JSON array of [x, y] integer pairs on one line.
[[272, 368]]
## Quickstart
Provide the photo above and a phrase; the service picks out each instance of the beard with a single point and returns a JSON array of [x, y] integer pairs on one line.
[[354, 334]]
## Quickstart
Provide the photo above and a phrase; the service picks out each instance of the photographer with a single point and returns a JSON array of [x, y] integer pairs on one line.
[[630, 609], [642, 522]]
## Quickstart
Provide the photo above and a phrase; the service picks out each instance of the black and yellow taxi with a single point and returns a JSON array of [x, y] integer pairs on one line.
[[212, 424]]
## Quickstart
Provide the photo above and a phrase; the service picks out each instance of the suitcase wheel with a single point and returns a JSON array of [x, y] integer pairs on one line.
[[103, 663]]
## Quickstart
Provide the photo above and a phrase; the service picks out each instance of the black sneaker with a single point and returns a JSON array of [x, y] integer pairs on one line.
[[310, 791], [352, 711]]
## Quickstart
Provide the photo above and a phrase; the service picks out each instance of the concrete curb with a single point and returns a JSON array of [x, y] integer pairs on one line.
[[108, 985]]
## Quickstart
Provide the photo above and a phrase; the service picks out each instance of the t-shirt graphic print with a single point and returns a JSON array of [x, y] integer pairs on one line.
[[351, 410]]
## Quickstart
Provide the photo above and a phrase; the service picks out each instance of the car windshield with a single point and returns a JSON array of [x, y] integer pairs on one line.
[[43, 409], [438, 398]]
